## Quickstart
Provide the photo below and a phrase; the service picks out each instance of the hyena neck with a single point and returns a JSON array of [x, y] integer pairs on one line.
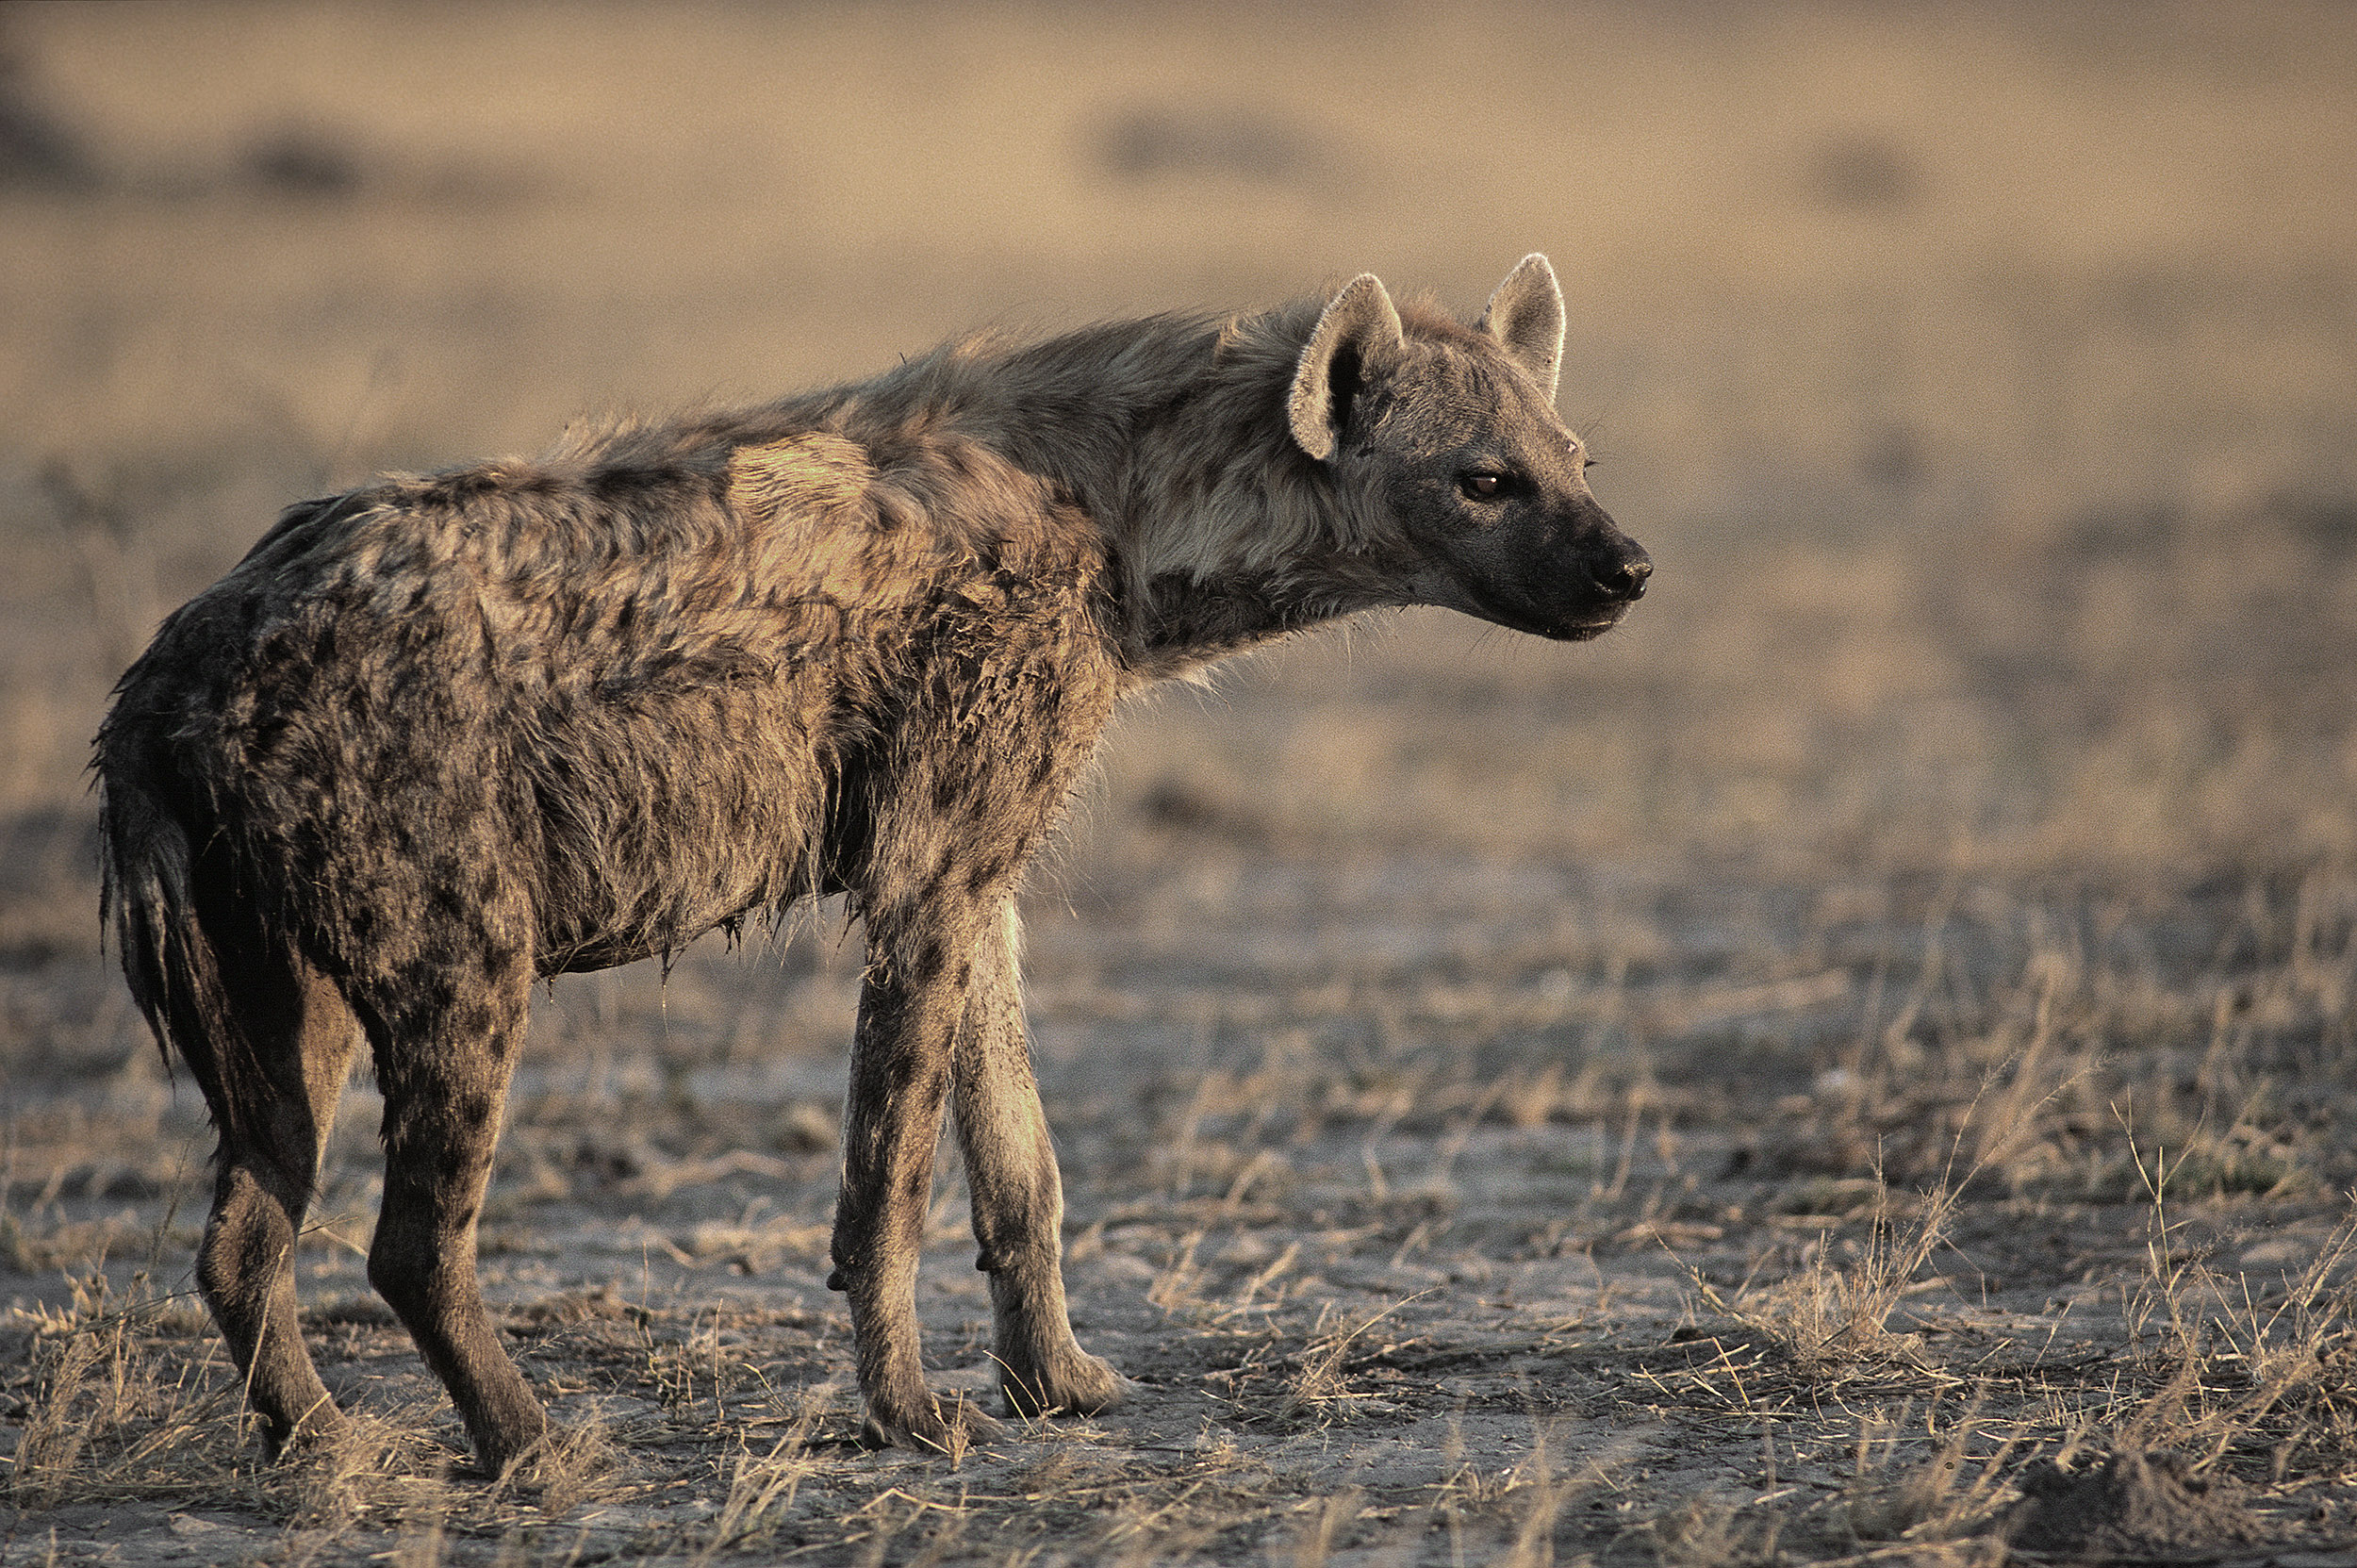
[[1171, 434]]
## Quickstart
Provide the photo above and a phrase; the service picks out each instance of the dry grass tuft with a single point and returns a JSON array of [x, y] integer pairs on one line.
[[1829, 1322], [116, 1414], [762, 1489]]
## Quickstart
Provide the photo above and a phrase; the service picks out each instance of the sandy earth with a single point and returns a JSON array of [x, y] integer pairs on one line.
[[1376, 1290]]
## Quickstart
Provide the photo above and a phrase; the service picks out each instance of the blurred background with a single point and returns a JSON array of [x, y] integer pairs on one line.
[[1980, 375]]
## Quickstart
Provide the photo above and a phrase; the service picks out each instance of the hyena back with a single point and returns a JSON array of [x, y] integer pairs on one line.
[[437, 738]]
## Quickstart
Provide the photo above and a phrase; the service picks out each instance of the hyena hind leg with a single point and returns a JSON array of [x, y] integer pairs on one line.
[[1018, 1202], [443, 1062], [273, 1094]]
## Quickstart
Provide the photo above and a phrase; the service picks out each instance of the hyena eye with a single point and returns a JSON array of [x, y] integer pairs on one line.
[[1483, 486]]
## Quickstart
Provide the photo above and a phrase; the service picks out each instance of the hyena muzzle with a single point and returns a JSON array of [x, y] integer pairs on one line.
[[441, 737]]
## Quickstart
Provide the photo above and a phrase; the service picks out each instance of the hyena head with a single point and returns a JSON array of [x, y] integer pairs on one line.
[[1443, 444]]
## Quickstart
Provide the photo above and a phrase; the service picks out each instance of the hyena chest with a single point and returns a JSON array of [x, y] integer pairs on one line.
[[966, 767]]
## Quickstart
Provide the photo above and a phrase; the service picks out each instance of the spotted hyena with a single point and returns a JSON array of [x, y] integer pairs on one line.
[[438, 737]]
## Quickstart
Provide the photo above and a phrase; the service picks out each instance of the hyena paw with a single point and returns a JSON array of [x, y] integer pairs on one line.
[[1080, 1384], [932, 1426], [320, 1430], [513, 1445]]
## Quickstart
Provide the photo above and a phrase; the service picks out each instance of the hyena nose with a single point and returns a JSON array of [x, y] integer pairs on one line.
[[1623, 578]]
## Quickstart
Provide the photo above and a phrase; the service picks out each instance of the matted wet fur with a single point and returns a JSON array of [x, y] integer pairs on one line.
[[439, 736]]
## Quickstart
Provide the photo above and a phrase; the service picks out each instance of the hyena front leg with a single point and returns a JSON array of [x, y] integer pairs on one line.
[[909, 1011], [1018, 1196]]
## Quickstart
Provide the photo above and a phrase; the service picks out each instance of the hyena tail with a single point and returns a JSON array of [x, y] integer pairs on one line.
[[148, 910]]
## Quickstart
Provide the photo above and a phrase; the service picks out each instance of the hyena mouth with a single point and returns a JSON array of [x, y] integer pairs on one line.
[[1586, 631], [1584, 624], [1585, 621]]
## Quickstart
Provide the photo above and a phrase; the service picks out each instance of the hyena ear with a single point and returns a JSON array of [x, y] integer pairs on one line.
[[1359, 325], [1525, 316]]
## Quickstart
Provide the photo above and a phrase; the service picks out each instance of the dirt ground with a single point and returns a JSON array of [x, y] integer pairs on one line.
[[1855, 1066]]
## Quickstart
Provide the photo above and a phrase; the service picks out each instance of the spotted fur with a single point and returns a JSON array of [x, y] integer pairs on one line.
[[441, 737]]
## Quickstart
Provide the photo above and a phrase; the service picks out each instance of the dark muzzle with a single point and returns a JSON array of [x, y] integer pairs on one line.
[[1621, 574]]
